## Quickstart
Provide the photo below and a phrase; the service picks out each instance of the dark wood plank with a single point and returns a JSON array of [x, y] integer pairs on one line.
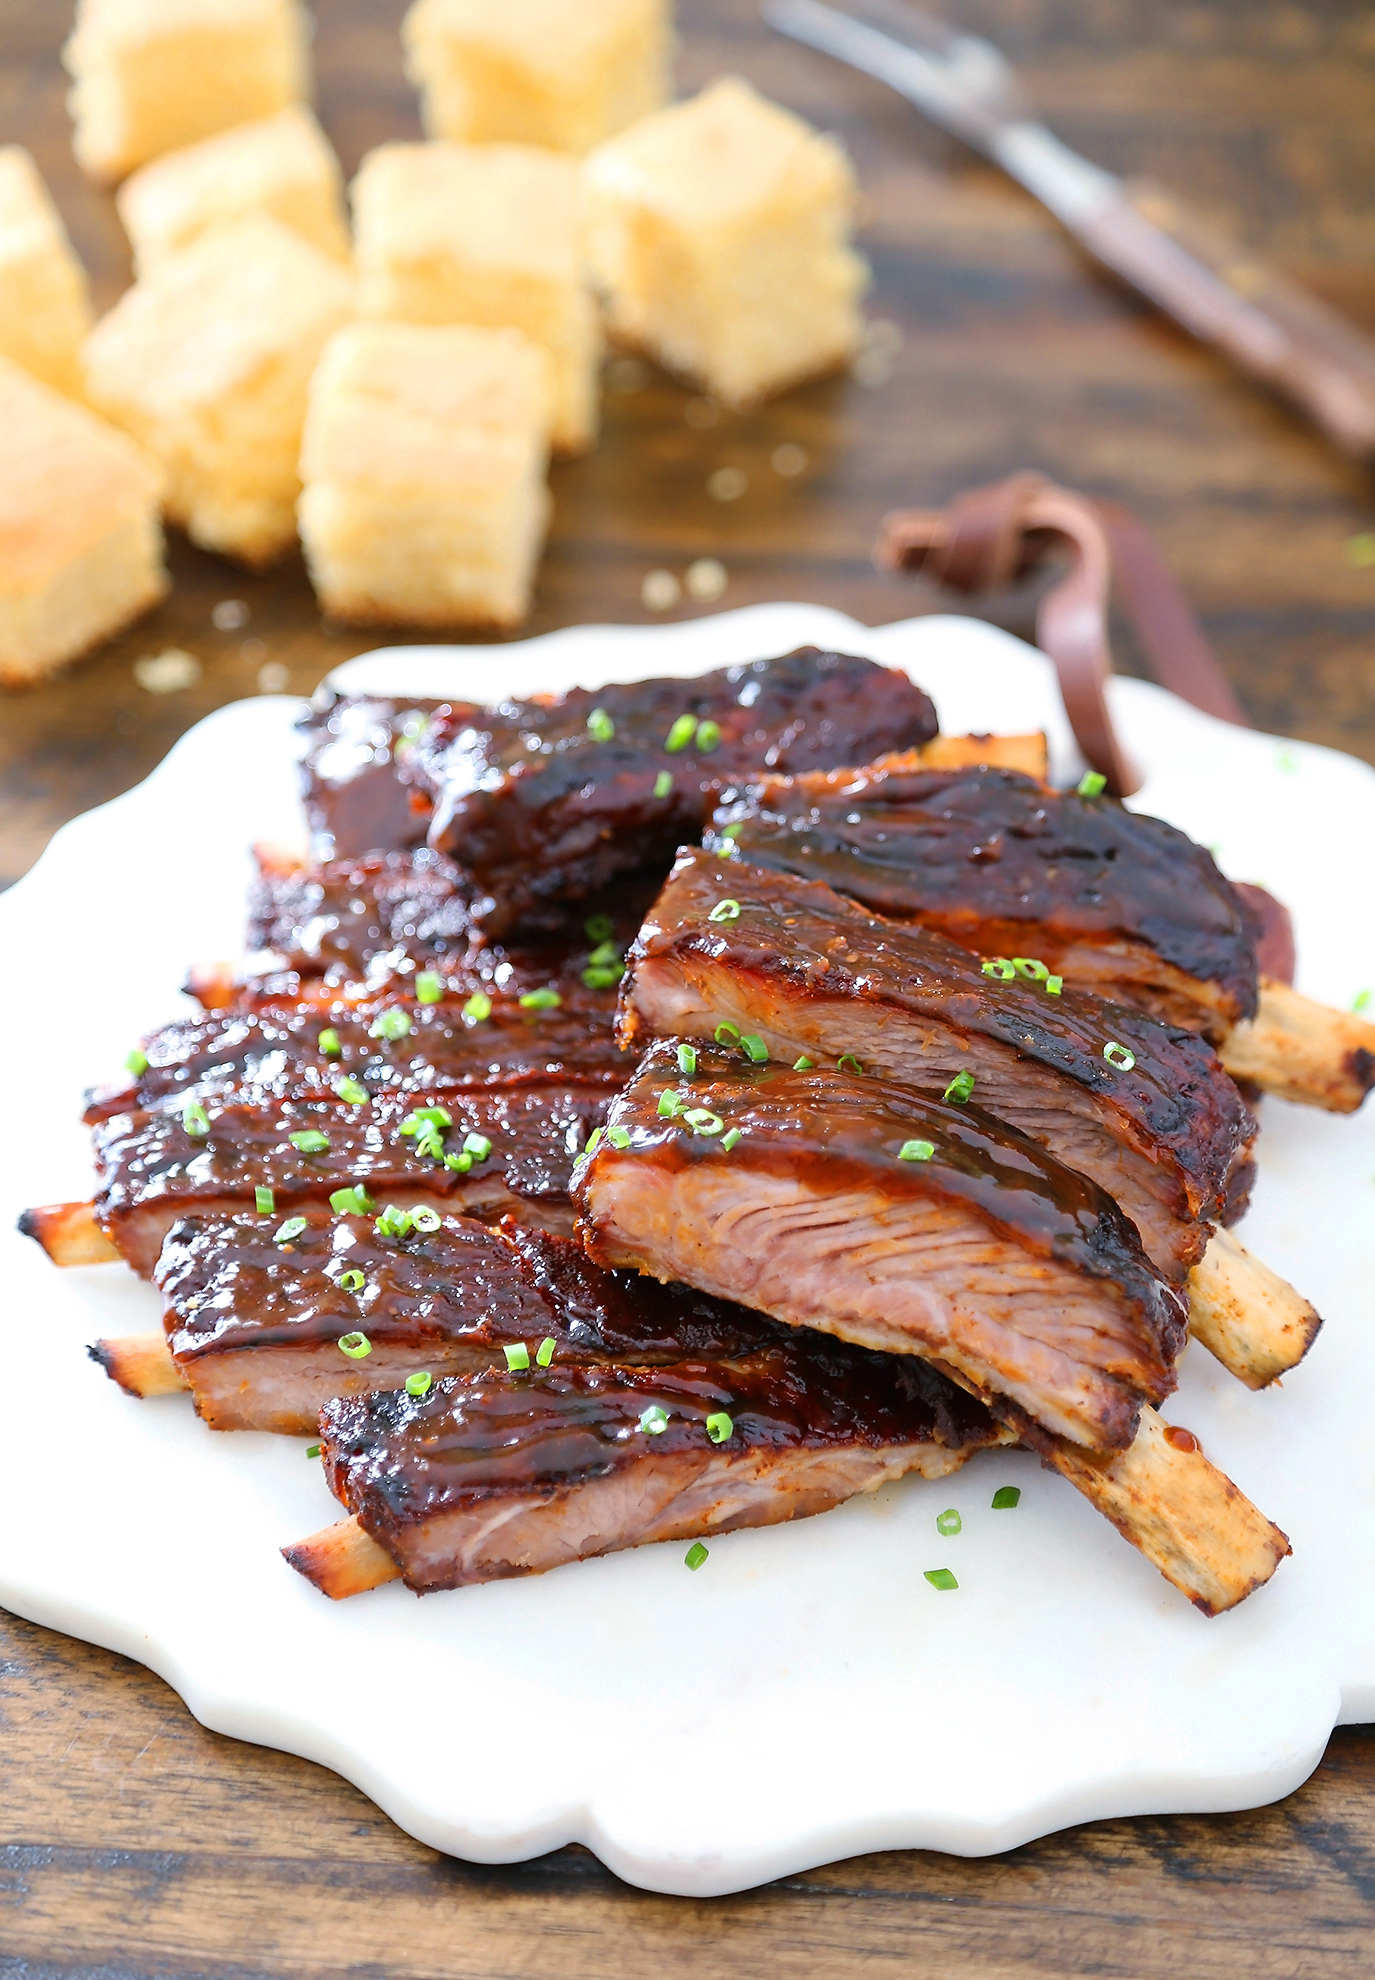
[[135, 1843]]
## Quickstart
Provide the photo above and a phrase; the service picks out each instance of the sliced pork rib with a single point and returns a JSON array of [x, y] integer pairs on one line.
[[354, 800], [1142, 1108], [860, 1207], [501, 1474]]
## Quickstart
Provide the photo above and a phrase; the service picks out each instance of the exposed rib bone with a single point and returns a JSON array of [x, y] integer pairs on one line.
[[1303, 1050], [69, 1233], [342, 1560], [1247, 1315], [142, 1364]]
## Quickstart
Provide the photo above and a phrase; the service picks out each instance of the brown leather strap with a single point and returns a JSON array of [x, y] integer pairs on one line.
[[988, 537]]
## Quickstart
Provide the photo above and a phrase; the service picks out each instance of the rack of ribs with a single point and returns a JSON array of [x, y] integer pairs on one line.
[[856, 1206], [1110, 900]]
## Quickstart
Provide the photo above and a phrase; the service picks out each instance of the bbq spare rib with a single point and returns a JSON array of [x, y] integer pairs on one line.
[[1110, 900]]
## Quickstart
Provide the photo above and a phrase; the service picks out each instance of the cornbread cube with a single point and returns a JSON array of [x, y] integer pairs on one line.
[[80, 541], [151, 75], [484, 234], [719, 231], [207, 361], [424, 461], [561, 73], [281, 165], [45, 301]]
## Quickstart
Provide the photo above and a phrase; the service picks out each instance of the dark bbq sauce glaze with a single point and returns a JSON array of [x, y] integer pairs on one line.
[[976, 852], [1175, 1097], [537, 809], [354, 800]]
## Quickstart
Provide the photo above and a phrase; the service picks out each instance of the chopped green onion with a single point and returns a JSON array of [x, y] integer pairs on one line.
[[1006, 1497], [663, 783], [941, 1578], [1360, 1002], [393, 1223], [695, 1556], [1031, 967], [599, 928], [916, 1151], [264, 1200], [292, 1228], [594, 1142], [654, 1420], [517, 1356], [729, 1139], [477, 1145], [708, 736], [355, 1345], [702, 1121], [847, 1062], [687, 1060], [310, 1141], [136, 1063], [1092, 784], [728, 850], [600, 726], [195, 1120], [725, 911], [754, 1048], [541, 1000], [422, 1119], [314, 1450], [462, 1161], [1118, 1055], [719, 1427], [960, 1087], [544, 1353], [606, 956], [733, 831], [726, 1034], [352, 1281], [669, 1104], [1054, 985], [329, 1042], [354, 1200], [681, 734], [804, 1064], [430, 1148], [1000, 967], [948, 1523], [619, 1137], [478, 1007], [598, 977], [391, 1025], [420, 1383], [425, 1218], [352, 1090], [429, 986]]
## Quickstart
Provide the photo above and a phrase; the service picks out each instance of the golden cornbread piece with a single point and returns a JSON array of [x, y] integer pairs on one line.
[[207, 361], [424, 462], [45, 300], [281, 165], [150, 75], [80, 540], [484, 234], [719, 232], [561, 73]]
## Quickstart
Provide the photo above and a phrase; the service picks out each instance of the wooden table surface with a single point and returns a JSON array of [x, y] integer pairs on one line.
[[135, 1843]]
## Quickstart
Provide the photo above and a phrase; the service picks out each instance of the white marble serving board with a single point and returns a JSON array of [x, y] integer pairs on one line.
[[806, 1695]]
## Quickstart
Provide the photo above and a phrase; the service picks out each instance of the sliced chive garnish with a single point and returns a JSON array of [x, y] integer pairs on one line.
[[654, 1420], [605, 956], [695, 1556], [314, 1450], [462, 1160], [478, 1007], [725, 911], [1000, 967], [594, 1142], [754, 1048], [195, 1120], [847, 1062], [600, 726], [941, 1578], [687, 1060], [960, 1087], [916, 1151], [292, 1228], [422, 1119], [599, 928], [352, 1281], [425, 1218], [355, 1345], [517, 1356], [1118, 1055], [663, 783], [420, 1383], [729, 1139], [353, 1201], [429, 986], [702, 1121], [1031, 967], [733, 831], [394, 1222], [597, 976], [352, 1090], [727, 1033], [329, 1042], [547, 999], [310, 1141], [948, 1523], [804, 1064], [392, 1025], [264, 1200], [719, 1426], [1092, 784], [544, 1353], [669, 1104], [1054, 985], [681, 734], [1360, 1002], [708, 736], [619, 1137], [477, 1145], [1006, 1497], [137, 1062]]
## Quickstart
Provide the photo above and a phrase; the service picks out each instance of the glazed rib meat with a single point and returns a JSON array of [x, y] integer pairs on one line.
[[496, 1475], [860, 1207], [1113, 901], [553, 799], [1141, 1108], [154, 1168], [354, 800]]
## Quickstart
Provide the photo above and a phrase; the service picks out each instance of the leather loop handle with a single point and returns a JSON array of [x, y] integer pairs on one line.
[[988, 537]]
